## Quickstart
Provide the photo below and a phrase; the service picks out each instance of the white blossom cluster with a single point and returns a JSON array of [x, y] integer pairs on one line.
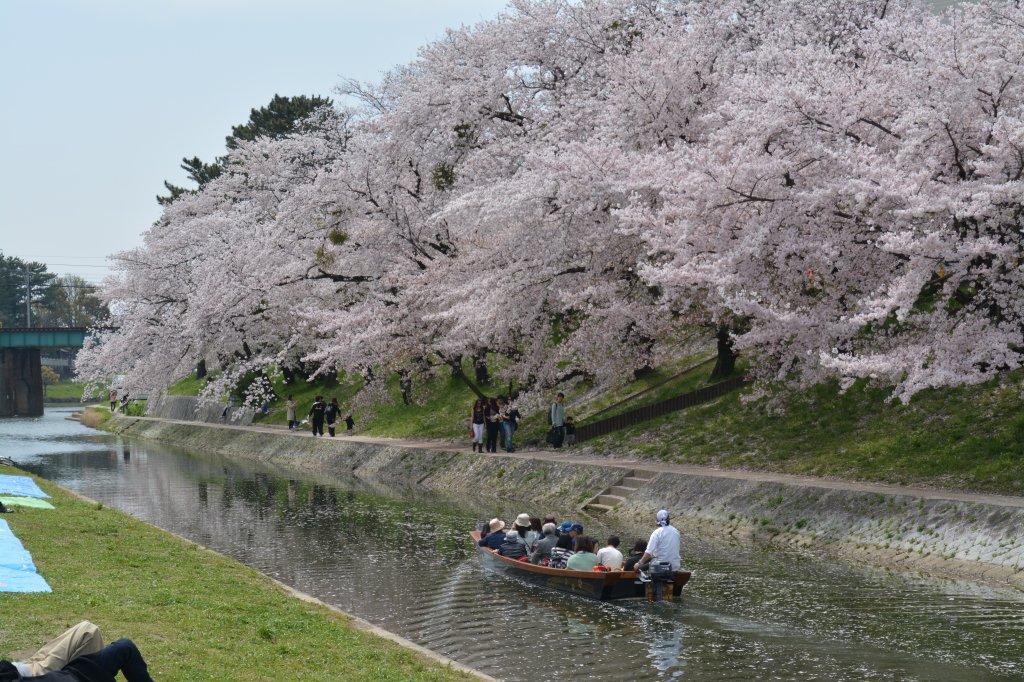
[[571, 184]]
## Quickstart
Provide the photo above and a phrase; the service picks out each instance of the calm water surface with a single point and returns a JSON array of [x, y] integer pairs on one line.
[[401, 559]]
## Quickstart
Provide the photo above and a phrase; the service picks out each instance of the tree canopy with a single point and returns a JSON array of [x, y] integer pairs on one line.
[[575, 185]]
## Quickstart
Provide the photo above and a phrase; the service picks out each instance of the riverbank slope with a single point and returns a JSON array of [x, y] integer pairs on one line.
[[979, 537], [196, 615]]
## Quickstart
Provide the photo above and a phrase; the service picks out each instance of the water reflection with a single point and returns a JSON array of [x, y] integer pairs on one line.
[[401, 558]]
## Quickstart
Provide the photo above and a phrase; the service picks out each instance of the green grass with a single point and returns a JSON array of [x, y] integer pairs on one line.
[[189, 386], [971, 437], [194, 614], [64, 391]]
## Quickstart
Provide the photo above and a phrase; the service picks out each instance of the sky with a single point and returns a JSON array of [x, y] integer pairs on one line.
[[101, 99]]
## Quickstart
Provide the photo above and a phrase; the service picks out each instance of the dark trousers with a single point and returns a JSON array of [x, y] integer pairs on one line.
[[123, 657], [330, 429], [318, 427], [492, 437]]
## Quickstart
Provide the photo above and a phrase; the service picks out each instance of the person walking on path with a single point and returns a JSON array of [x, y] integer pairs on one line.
[[113, 400], [331, 414], [493, 419], [477, 423], [291, 407], [316, 416], [509, 424], [556, 415], [350, 423]]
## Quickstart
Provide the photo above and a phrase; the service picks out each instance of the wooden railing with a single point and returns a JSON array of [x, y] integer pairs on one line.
[[654, 410]]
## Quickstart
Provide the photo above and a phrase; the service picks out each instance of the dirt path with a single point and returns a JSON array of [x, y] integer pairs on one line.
[[567, 456]]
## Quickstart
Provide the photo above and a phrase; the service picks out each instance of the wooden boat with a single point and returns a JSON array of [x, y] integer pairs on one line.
[[603, 585]]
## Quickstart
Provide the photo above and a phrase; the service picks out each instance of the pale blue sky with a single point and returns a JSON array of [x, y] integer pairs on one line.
[[100, 99]]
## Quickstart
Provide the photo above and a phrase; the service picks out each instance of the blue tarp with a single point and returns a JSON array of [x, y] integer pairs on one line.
[[17, 571], [22, 486]]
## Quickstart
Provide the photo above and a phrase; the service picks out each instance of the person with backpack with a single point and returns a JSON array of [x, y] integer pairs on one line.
[[316, 416], [331, 415]]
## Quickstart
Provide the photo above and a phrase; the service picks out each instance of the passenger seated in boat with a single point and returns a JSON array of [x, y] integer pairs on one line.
[[542, 549], [584, 558], [495, 537], [635, 554], [522, 526], [514, 546], [572, 530], [535, 533], [560, 556], [609, 555]]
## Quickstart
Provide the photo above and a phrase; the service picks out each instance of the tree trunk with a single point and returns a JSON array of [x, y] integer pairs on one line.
[[480, 371], [460, 374], [331, 377], [726, 362], [289, 375], [641, 372], [201, 369], [405, 384], [455, 364]]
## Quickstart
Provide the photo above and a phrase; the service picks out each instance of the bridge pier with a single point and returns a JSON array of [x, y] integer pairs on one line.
[[21, 383]]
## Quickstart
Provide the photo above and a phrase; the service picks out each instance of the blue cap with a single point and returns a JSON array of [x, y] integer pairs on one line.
[[578, 527], [565, 526]]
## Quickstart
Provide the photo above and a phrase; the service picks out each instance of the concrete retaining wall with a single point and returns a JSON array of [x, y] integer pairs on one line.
[[190, 408], [967, 539]]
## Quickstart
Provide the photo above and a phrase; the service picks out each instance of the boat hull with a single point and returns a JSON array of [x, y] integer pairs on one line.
[[601, 585]]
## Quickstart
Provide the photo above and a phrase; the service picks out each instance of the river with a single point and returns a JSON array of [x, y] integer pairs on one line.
[[401, 559]]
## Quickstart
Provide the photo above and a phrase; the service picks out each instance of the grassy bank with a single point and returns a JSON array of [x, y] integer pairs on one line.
[[195, 615], [64, 391], [971, 437]]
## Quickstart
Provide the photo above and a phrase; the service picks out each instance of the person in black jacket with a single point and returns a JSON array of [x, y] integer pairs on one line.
[[316, 415], [103, 666], [331, 414], [635, 555]]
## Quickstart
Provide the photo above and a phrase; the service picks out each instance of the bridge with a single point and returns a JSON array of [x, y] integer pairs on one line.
[[21, 379]]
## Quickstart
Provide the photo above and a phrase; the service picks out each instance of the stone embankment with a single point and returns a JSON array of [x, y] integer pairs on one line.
[[977, 537]]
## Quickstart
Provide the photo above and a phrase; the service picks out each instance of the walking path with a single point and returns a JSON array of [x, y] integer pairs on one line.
[[568, 457]]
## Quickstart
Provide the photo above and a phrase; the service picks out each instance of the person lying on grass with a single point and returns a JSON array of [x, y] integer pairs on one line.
[[78, 655]]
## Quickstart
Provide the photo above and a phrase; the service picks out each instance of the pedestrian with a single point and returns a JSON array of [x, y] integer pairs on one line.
[[350, 423], [113, 400], [477, 423], [291, 407], [331, 414], [556, 416], [509, 424], [493, 418], [316, 415], [570, 431]]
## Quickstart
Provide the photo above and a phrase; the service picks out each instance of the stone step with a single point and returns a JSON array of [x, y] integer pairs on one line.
[[633, 481], [613, 500], [642, 475], [621, 490], [596, 507]]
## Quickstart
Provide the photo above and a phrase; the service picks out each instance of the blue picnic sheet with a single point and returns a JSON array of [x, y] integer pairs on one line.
[[21, 486], [17, 571]]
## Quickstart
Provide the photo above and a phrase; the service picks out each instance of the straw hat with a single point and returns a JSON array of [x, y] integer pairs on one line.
[[523, 520], [496, 525]]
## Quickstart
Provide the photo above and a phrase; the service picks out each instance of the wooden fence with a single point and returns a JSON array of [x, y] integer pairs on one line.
[[674, 404]]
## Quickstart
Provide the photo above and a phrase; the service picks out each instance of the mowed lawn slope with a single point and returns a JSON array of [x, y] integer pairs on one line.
[[194, 614], [970, 437]]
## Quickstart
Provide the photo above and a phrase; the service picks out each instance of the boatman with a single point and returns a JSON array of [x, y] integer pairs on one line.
[[663, 545]]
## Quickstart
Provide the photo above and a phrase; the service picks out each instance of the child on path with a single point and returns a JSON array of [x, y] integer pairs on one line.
[[292, 406]]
